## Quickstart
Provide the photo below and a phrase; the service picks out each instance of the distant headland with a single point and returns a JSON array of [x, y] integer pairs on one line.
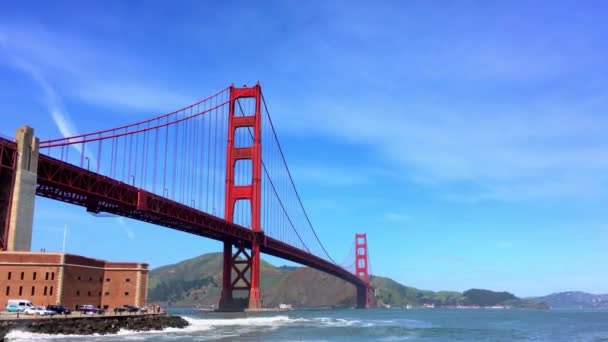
[[197, 282]]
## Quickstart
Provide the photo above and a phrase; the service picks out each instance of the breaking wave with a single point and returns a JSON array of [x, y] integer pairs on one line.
[[196, 325], [213, 328]]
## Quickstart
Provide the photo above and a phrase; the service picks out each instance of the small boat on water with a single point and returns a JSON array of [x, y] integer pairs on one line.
[[204, 308], [285, 307]]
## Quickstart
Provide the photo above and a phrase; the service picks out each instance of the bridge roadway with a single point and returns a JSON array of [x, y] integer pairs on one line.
[[68, 183]]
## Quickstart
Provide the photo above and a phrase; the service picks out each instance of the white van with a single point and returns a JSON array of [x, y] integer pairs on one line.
[[20, 304]]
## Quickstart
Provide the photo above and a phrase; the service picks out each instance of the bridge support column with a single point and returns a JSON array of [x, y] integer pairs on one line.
[[24, 191], [255, 297], [226, 300], [362, 270], [362, 297], [249, 192], [238, 275]]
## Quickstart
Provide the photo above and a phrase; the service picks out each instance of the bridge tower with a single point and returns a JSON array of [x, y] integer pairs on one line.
[[362, 270], [242, 262], [18, 192]]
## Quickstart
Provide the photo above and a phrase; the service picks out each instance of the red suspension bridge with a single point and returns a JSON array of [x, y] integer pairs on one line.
[[214, 169]]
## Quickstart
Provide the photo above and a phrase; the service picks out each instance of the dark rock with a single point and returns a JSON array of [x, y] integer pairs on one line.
[[92, 325]]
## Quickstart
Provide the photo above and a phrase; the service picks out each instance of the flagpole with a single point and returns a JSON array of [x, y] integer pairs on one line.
[[65, 234]]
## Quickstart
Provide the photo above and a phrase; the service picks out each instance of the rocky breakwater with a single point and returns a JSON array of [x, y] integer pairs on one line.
[[91, 325]]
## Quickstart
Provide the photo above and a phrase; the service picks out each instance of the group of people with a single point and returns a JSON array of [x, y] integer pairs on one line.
[[154, 309]]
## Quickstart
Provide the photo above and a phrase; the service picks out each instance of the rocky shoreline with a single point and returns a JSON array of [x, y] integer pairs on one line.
[[92, 325]]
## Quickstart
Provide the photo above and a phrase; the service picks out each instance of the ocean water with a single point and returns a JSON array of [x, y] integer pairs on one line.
[[371, 325]]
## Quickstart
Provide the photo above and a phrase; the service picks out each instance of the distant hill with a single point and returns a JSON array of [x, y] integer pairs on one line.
[[486, 297], [576, 300], [391, 293], [197, 281]]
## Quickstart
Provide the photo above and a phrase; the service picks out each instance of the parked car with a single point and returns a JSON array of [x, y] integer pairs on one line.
[[22, 304], [127, 308], [59, 309], [131, 308], [121, 309], [89, 309], [38, 310], [13, 308]]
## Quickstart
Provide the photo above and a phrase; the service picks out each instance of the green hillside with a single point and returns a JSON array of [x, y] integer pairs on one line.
[[390, 292], [197, 281]]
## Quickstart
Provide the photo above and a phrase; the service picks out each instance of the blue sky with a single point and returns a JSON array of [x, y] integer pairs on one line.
[[468, 139]]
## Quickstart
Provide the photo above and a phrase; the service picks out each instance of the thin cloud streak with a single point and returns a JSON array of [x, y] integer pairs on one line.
[[505, 156], [501, 120], [126, 229], [397, 217], [330, 176], [52, 101], [82, 69]]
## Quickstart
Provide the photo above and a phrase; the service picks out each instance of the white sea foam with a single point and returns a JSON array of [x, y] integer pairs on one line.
[[248, 321], [19, 335], [335, 322], [196, 326]]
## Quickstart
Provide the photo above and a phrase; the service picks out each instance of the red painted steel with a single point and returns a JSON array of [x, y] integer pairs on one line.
[[251, 193], [71, 184], [207, 128], [362, 263], [83, 137]]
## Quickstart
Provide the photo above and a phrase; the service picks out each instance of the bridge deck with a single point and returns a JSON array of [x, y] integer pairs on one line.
[[97, 193]]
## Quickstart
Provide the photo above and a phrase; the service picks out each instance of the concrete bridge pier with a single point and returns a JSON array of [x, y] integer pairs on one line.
[[19, 234], [362, 297]]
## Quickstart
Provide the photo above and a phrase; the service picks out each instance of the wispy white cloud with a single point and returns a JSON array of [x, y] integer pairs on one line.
[[91, 73], [329, 175], [126, 229], [336, 175], [132, 95], [50, 99], [502, 117], [412, 104], [397, 217], [63, 123], [538, 150]]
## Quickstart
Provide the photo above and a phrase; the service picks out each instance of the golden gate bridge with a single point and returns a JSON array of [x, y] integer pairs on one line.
[[214, 169]]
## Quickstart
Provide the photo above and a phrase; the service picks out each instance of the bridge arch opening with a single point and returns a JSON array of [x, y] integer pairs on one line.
[[242, 213], [243, 172], [243, 137], [245, 106]]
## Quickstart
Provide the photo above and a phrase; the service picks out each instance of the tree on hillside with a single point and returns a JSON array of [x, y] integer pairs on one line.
[[486, 297]]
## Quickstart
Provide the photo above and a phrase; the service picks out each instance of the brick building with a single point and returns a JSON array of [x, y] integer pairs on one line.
[[71, 280]]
